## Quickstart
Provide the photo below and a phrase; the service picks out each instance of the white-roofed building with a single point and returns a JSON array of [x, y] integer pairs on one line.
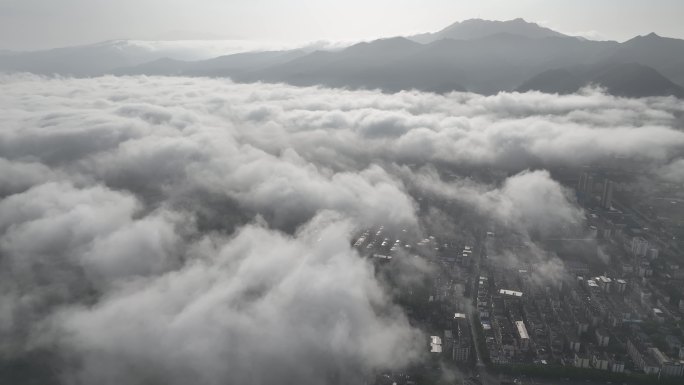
[[523, 336]]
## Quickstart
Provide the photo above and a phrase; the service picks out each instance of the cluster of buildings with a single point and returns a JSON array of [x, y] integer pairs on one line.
[[609, 312], [452, 262], [608, 320], [384, 245], [591, 322], [455, 343], [445, 305], [650, 359], [638, 242], [586, 188], [500, 316]]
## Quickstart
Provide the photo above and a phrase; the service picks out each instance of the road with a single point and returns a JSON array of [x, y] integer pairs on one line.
[[483, 375]]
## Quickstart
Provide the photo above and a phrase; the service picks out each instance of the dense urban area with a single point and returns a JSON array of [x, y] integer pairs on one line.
[[613, 315]]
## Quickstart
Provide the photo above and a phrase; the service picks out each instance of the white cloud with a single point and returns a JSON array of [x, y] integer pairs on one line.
[[303, 307], [673, 172]]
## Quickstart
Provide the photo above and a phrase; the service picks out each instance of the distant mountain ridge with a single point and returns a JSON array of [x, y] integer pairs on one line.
[[474, 55], [87, 60], [624, 79]]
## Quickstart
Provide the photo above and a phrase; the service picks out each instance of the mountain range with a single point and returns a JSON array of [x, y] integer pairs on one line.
[[474, 55]]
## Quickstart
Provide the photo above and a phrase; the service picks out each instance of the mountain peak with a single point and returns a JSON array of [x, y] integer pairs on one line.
[[518, 21], [651, 37], [478, 28]]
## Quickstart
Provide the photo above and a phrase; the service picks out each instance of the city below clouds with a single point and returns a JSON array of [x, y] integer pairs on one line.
[[194, 229]]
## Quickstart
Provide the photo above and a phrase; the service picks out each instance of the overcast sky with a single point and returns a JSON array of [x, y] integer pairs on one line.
[[31, 24]]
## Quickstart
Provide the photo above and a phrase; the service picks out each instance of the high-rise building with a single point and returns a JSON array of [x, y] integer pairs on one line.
[[585, 187], [607, 195], [581, 184], [639, 246], [589, 186]]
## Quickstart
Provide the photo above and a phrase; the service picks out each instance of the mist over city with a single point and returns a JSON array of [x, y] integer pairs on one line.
[[389, 193]]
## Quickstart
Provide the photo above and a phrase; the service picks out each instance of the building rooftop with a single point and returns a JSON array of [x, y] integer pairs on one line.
[[511, 292], [522, 330], [435, 344]]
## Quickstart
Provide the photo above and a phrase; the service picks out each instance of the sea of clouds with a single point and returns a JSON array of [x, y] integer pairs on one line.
[[193, 230]]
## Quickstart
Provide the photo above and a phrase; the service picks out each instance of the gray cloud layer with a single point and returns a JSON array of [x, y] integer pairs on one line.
[[175, 229]]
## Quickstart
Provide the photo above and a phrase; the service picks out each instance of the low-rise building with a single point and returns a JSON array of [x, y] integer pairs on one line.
[[581, 361], [602, 337], [668, 367], [435, 344], [639, 350], [599, 360], [616, 365]]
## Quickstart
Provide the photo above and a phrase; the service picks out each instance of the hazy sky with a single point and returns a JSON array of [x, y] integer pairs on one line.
[[30, 24]]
